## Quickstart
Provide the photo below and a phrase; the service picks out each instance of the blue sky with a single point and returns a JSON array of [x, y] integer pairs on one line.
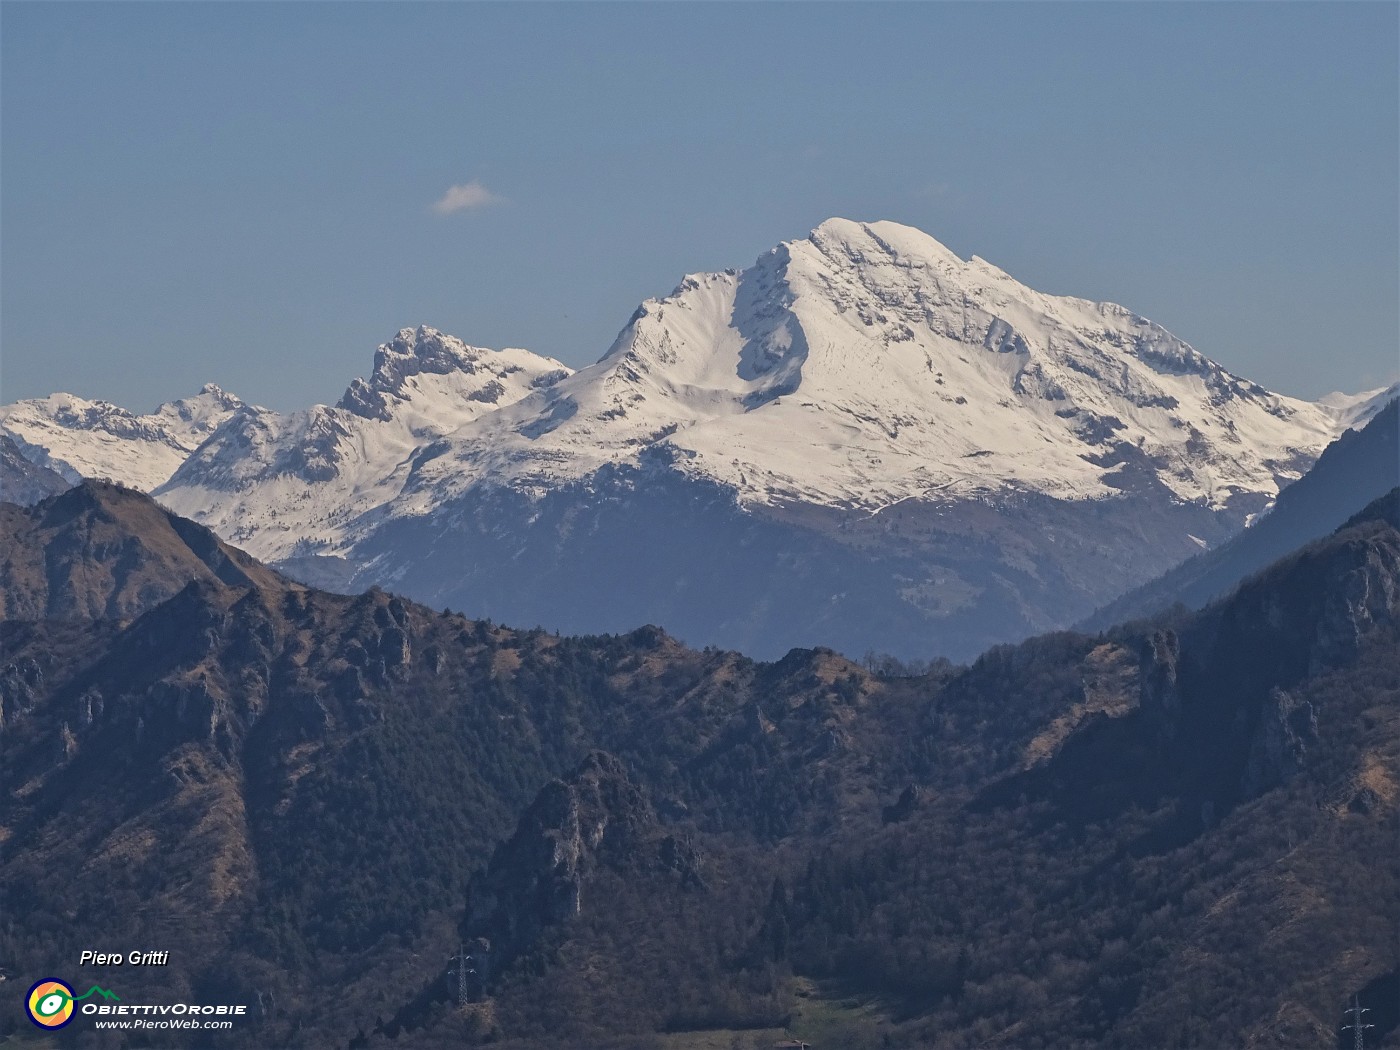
[[244, 193]]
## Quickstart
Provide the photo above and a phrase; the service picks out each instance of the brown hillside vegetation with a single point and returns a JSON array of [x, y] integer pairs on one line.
[[1178, 833], [100, 551]]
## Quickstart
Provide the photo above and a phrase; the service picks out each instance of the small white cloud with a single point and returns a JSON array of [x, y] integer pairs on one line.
[[461, 198]]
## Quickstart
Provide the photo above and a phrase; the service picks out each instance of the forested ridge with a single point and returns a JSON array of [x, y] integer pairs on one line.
[[1179, 832]]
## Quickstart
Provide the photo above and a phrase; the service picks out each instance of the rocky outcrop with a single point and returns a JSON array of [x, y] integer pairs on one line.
[[21, 684], [1287, 727], [382, 647], [1159, 661], [1217, 693], [910, 799], [427, 351], [1368, 597], [539, 877]]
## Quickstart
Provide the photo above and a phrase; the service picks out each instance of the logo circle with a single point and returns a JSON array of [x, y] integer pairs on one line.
[[50, 1003]]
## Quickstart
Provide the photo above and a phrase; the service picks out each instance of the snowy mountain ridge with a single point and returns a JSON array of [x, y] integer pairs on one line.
[[861, 441], [275, 482], [79, 438], [1356, 410], [866, 365]]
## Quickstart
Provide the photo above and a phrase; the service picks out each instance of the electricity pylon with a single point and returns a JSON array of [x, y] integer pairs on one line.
[[464, 967], [1358, 1030]]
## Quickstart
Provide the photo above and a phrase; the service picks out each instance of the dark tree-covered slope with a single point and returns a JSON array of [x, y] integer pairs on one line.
[[1178, 833], [294, 788]]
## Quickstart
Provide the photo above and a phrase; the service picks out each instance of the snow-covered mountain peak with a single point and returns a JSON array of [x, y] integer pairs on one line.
[[867, 364], [858, 367], [423, 363], [414, 351], [194, 418], [284, 483], [873, 243]]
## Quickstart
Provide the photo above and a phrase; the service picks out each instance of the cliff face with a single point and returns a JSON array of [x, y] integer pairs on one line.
[[1216, 692], [1287, 728], [538, 878]]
